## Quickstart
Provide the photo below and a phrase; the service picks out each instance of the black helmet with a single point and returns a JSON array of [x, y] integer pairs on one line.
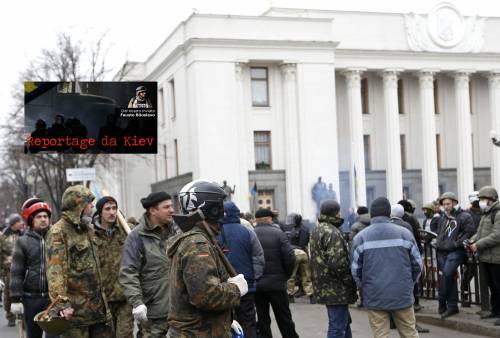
[[203, 196], [294, 219], [140, 89]]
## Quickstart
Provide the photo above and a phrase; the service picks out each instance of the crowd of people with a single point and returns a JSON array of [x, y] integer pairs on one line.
[[212, 271]]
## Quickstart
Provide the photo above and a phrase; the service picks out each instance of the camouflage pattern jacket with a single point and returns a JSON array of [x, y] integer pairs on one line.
[[330, 263], [72, 264], [7, 241], [109, 248], [201, 299]]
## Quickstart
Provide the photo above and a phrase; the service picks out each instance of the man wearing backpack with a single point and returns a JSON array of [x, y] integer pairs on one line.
[[486, 242]]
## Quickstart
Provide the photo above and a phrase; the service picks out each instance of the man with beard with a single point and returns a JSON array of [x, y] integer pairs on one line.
[[8, 239], [109, 237], [28, 280], [202, 293], [455, 226], [144, 267], [140, 100], [73, 272]]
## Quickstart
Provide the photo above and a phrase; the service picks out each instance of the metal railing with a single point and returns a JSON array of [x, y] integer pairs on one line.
[[472, 287]]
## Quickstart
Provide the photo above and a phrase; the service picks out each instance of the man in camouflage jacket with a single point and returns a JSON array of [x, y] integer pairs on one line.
[[8, 240], [110, 237], [73, 267], [202, 293], [200, 299], [330, 261]]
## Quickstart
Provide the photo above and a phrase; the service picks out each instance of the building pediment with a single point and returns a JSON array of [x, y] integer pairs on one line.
[[444, 29]]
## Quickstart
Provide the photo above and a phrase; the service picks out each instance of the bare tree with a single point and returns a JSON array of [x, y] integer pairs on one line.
[[67, 61]]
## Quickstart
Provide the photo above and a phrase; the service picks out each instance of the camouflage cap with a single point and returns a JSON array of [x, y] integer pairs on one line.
[[74, 200]]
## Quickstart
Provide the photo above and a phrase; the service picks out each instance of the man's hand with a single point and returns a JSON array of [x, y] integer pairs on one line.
[[67, 313], [140, 313], [240, 282], [473, 248], [17, 308]]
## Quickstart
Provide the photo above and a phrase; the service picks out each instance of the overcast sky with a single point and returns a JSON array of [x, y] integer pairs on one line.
[[27, 26]]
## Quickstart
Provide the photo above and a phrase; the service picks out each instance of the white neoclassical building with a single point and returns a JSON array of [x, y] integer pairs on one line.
[[373, 103]]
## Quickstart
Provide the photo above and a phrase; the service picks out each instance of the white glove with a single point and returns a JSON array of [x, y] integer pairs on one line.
[[140, 313], [17, 308], [2, 285], [236, 327], [240, 282]]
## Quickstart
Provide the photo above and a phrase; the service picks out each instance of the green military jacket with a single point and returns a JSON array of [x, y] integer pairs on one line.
[[72, 264], [7, 241], [201, 299], [109, 247], [487, 237], [331, 264], [145, 265]]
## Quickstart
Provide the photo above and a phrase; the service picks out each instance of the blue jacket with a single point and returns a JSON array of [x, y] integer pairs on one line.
[[386, 265], [241, 246]]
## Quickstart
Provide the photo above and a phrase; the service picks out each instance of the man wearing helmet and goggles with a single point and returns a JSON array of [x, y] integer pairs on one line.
[[202, 291]]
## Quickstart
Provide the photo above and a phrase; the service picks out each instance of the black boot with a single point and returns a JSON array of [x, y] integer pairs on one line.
[[12, 322], [442, 308], [449, 313]]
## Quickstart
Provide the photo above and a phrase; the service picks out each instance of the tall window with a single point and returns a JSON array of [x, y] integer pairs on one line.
[[364, 96], [260, 86], [368, 153], [176, 149], [262, 144], [438, 150], [370, 195], [406, 192], [401, 98], [165, 160], [161, 111], [173, 112], [402, 141], [436, 97]]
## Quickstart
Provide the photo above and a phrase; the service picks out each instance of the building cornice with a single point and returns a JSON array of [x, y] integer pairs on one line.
[[236, 43]]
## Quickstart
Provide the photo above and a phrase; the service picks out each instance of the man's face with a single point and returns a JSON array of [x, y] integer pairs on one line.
[[41, 221], [88, 210], [448, 205], [142, 94], [163, 212], [17, 226], [109, 211]]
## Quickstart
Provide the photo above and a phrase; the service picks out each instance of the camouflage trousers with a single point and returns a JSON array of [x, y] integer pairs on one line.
[[6, 299], [303, 269], [123, 320], [100, 330], [154, 328]]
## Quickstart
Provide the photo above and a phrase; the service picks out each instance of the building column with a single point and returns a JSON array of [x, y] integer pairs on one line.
[[394, 175], [430, 182], [465, 172], [241, 194], [357, 168], [494, 89], [292, 144]]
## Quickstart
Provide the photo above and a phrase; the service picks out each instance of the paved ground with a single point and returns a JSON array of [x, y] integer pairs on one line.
[[311, 322]]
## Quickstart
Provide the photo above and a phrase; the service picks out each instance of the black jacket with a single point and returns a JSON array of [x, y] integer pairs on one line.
[[27, 272], [453, 230], [279, 256]]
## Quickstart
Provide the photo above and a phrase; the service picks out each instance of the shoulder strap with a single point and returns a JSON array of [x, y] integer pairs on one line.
[[493, 214]]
